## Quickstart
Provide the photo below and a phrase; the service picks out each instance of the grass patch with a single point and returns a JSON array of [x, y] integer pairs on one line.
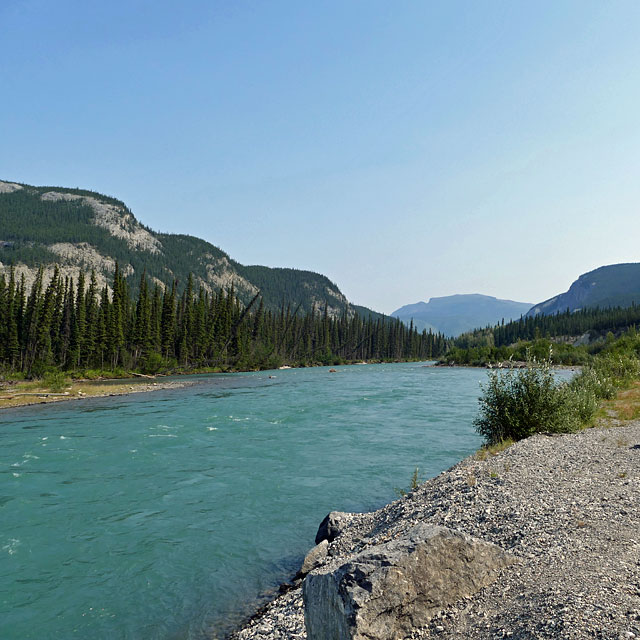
[[625, 406], [490, 450], [37, 391], [31, 385]]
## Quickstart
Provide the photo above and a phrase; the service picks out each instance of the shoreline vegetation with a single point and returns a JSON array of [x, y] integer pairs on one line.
[[571, 338], [519, 402], [84, 331]]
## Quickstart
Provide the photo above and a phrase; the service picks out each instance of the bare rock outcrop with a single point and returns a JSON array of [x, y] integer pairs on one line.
[[388, 590], [9, 187], [332, 525], [118, 222], [221, 275], [69, 269]]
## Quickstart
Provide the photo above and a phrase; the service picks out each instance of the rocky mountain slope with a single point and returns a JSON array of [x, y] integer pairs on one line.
[[615, 285], [453, 315], [82, 230]]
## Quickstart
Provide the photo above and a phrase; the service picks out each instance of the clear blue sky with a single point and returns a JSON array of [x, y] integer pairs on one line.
[[404, 149]]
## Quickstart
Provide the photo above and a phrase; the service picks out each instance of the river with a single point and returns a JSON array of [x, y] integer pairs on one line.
[[168, 515]]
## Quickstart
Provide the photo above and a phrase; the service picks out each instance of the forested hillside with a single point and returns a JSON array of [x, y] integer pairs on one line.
[[76, 326], [81, 231], [570, 336]]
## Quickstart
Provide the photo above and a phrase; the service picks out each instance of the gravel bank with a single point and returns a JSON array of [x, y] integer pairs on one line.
[[80, 390], [567, 506]]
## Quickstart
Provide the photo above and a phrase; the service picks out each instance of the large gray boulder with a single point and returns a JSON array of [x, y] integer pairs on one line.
[[387, 590], [314, 558], [332, 526]]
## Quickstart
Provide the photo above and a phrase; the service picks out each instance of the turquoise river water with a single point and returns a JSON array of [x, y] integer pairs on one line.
[[168, 515]]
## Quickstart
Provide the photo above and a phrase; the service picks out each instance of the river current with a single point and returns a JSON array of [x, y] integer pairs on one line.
[[168, 515]]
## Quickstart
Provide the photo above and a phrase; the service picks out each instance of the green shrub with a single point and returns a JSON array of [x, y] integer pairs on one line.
[[581, 404], [92, 374], [597, 382], [606, 374], [56, 381], [517, 403], [414, 483], [153, 363], [623, 368], [16, 376]]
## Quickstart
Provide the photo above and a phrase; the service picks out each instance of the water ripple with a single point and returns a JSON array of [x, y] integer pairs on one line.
[[170, 538]]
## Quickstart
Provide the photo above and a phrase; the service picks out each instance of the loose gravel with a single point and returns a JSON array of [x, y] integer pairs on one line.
[[567, 506]]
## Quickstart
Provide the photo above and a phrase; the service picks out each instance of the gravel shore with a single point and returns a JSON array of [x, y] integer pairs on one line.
[[82, 389], [567, 506]]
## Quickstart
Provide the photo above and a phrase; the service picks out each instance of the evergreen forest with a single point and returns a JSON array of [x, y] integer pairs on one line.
[[541, 334], [77, 327]]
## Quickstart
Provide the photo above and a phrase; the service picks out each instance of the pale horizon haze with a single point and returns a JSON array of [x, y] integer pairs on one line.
[[405, 150]]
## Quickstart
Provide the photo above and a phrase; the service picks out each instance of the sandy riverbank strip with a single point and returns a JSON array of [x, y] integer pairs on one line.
[[568, 507], [30, 393]]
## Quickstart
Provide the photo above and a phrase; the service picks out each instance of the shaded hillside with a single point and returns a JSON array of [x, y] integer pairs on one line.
[[83, 230], [453, 315], [616, 285]]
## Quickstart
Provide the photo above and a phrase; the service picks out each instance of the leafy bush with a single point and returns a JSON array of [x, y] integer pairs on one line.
[[91, 374], [581, 404], [622, 368], [153, 363], [56, 381], [13, 376], [596, 382], [606, 374], [516, 403]]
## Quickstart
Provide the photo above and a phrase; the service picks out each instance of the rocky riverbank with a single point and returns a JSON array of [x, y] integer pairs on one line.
[[567, 508]]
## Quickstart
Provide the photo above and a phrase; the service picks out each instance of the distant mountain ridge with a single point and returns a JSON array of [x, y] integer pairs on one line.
[[616, 285], [83, 230], [453, 315]]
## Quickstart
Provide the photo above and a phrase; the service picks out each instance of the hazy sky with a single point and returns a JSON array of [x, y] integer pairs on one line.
[[404, 149]]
